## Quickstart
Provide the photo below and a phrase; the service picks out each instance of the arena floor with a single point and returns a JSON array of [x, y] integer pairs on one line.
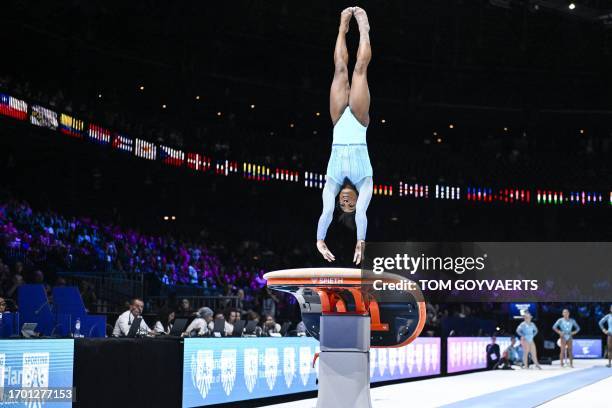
[[588, 384]]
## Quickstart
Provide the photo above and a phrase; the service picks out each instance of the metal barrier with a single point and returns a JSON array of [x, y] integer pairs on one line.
[[214, 302], [112, 289]]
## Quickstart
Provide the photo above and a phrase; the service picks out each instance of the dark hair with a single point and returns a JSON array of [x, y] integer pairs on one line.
[[346, 218], [133, 300], [163, 316]]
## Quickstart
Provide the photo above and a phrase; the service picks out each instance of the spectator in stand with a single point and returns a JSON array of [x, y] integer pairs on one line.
[[88, 295], [85, 244], [2, 306], [185, 308], [38, 277], [200, 325], [16, 283], [269, 302]]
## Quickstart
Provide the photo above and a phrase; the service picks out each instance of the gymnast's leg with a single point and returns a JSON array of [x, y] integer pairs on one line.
[[359, 96], [339, 92]]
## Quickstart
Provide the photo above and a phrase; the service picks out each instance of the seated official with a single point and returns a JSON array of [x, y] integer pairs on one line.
[[510, 355], [164, 322], [199, 325], [125, 320], [270, 326], [232, 316], [3, 308], [301, 329], [253, 316], [493, 354], [228, 328]]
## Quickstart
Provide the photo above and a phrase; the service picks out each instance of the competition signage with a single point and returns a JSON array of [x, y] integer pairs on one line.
[[470, 353], [587, 348], [225, 370], [37, 373]]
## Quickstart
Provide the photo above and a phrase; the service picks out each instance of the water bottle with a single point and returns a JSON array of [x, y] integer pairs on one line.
[[77, 328]]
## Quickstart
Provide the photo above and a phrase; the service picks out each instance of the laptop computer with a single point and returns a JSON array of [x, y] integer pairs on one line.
[[178, 327], [250, 327], [219, 328], [27, 330], [238, 328], [134, 327], [285, 328]]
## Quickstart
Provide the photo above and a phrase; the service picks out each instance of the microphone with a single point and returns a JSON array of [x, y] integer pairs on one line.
[[92, 329], [53, 331], [37, 311]]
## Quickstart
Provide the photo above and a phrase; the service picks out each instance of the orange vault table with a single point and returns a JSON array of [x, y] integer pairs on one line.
[[349, 311]]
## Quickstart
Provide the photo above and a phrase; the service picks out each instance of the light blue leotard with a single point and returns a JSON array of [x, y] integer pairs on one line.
[[349, 159], [607, 318], [527, 330], [566, 327]]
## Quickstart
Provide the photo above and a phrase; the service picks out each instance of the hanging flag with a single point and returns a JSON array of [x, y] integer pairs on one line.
[[123, 143], [98, 134], [170, 156], [145, 150], [13, 107], [71, 126], [43, 117]]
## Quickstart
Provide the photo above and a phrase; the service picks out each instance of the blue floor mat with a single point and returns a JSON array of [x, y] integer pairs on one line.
[[537, 392]]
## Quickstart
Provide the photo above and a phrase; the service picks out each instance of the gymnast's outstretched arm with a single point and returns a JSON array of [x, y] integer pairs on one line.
[[330, 191], [365, 188]]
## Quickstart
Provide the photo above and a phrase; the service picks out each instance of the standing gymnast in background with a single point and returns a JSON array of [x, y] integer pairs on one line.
[[607, 319], [348, 183], [566, 328], [527, 330]]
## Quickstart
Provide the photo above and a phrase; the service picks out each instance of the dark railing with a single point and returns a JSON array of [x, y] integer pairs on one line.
[[216, 303], [111, 289]]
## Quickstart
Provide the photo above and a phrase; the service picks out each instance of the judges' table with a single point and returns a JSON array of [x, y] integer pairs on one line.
[[128, 372], [171, 372]]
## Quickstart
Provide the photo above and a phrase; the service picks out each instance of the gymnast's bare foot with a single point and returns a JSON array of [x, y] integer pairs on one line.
[[362, 20], [345, 19]]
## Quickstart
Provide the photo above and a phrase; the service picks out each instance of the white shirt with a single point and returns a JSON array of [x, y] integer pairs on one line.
[[228, 328], [159, 328], [123, 323], [198, 324]]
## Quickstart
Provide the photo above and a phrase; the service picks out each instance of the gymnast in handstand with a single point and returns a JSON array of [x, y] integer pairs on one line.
[[349, 182]]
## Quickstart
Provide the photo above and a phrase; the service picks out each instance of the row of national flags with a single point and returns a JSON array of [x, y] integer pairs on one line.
[[68, 125]]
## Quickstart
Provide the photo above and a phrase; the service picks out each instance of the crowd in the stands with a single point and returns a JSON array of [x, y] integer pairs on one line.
[[85, 244]]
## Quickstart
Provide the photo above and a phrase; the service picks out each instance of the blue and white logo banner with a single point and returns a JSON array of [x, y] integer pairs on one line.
[[225, 370], [470, 353], [587, 348], [37, 364]]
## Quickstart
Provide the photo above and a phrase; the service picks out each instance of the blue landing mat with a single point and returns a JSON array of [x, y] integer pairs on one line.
[[537, 392]]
